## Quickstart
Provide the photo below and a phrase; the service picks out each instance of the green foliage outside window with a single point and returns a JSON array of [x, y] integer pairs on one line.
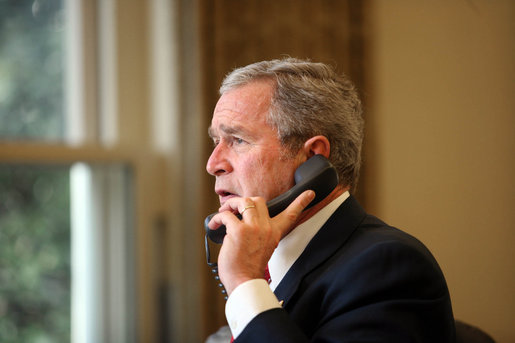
[[35, 269], [34, 254], [31, 69]]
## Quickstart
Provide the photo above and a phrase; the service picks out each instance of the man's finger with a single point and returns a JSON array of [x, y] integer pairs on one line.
[[289, 216], [222, 218], [237, 205]]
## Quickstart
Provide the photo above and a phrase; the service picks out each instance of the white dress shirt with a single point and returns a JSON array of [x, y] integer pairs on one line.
[[256, 296]]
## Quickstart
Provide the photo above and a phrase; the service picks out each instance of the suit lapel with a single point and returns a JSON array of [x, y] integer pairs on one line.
[[333, 234]]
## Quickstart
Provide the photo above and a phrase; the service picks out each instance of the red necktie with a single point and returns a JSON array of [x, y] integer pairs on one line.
[[267, 275], [268, 279]]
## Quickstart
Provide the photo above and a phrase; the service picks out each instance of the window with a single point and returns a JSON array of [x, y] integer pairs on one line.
[[63, 229], [91, 97], [67, 233]]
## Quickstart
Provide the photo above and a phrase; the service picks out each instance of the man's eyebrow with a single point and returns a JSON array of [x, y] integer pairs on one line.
[[228, 130]]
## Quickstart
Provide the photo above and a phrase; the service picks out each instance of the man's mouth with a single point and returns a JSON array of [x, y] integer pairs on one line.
[[225, 195]]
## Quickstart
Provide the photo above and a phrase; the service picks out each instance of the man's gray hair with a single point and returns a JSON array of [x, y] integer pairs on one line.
[[310, 99]]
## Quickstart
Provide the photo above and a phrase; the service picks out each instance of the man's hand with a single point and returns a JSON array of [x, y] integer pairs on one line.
[[250, 242]]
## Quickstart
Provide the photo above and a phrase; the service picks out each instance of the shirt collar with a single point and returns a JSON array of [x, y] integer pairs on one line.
[[293, 244]]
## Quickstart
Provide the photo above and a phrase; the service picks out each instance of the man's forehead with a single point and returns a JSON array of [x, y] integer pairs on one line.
[[231, 100], [254, 96], [241, 104]]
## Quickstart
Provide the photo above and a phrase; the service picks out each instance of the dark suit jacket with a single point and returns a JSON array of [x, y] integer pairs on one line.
[[359, 280]]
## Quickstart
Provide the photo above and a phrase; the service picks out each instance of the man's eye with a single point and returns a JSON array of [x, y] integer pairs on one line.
[[236, 140]]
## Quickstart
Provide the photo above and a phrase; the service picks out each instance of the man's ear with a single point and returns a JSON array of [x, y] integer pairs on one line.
[[317, 145]]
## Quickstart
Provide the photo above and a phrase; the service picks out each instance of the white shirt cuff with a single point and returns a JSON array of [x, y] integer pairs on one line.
[[247, 301]]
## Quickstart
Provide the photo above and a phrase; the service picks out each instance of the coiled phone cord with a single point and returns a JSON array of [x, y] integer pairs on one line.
[[214, 268]]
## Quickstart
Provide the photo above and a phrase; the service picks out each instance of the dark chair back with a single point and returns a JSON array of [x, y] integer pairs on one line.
[[466, 333]]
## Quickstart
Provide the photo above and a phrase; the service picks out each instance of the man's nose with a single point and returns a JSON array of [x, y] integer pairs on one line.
[[218, 164]]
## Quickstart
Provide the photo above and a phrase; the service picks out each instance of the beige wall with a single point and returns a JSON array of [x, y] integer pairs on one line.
[[442, 126]]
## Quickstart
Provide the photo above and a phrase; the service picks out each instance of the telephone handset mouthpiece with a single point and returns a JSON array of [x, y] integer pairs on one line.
[[317, 174]]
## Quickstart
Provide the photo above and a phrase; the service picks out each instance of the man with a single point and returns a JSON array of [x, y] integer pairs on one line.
[[337, 273]]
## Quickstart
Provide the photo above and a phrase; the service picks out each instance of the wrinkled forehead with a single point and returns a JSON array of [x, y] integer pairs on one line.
[[254, 96], [248, 103]]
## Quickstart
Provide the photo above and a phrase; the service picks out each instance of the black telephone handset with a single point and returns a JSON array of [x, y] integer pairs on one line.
[[317, 174]]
